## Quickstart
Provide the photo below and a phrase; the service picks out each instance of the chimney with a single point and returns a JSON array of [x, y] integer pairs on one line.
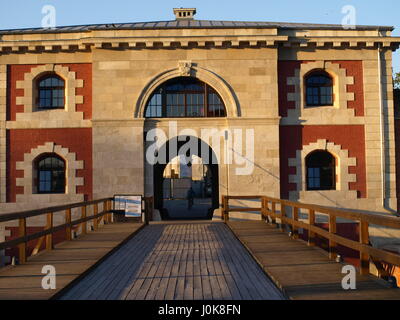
[[184, 13]]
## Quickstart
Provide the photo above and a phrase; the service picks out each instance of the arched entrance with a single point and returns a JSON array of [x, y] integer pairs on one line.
[[209, 160], [179, 98]]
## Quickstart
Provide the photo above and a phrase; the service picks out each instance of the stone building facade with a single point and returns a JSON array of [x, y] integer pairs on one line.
[[258, 70]]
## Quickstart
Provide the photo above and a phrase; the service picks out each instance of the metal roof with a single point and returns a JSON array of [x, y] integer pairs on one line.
[[189, 24]]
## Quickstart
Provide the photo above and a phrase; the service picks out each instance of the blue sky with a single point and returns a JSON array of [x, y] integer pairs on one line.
[[27, 13]]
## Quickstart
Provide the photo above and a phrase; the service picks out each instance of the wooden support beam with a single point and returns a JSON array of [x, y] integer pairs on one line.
[[22, 246], [105, 218], [84, 224], [283, 216], [295, 230], [264, 209], [311, 222], [225, 208], [105, 208], [273, 212], [332, 244], [364, 239], [49, 237], [68, 230], [95, 212], [38, 246], [111, 212]]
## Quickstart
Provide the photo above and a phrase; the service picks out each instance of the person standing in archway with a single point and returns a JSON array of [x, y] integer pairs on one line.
[[190, 197]]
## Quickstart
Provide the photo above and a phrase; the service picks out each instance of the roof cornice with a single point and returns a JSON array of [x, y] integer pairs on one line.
[[102, 40]]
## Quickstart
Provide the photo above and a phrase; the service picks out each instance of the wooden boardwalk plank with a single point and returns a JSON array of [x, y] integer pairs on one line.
[[229, 275], [188, 288], [135, 257], [252, 275], [257, 273], [224, 288], [173, 288], [169, 277], [161, 260], [242, 272], [148, 270], [71, 260], [203, 270], [181, 261], [304, 272], [105, 275], [180, 285]]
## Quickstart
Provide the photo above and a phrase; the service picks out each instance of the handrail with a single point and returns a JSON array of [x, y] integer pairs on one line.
[[47, 234], [366, 251], [50, 229], [37, 212]]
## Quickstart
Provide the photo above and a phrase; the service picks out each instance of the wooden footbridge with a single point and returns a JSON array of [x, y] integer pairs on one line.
[[274, 258]]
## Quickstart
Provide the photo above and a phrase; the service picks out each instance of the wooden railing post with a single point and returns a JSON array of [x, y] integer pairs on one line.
[[104, 217], [311, 222], [110, 214], [225, 208], [68, 229], [295, 231], [95, 212], [273, 211], [332, 230], [264, 208], [49, 237], [364, 239], [107, 215], [84, 224], [22, 246], [283, 215]]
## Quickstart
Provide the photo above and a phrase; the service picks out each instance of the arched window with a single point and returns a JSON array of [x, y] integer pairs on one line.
[[320, 170], [50, 170], [319, 89], [51, 92], [184, 97]]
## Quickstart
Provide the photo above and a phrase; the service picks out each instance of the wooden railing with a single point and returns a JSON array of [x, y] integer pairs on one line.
[[277, 209], [49, 230], [47, 234]]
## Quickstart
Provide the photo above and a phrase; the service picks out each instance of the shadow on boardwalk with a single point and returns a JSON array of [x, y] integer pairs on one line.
[[178, 261]]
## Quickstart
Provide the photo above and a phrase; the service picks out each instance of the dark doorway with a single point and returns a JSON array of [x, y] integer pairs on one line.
[[210, 183]]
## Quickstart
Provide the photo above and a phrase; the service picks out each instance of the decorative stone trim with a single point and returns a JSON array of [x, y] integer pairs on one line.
[[185, 68], [72, 181], [322, 115], [30, 94], [228, 96], [343, 162], [87, 41], [3, 107]]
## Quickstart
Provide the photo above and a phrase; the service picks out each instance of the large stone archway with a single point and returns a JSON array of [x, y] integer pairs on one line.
[[205, 152]]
